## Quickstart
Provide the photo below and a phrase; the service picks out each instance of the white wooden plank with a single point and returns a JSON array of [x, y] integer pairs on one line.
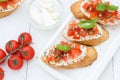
[[10, 28], [108, 72], [117, 65], [40, 39]]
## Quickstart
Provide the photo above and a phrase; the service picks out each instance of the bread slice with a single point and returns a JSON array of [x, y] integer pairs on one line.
[[75, 9], [103, 36], [7, 13], [88, 59]]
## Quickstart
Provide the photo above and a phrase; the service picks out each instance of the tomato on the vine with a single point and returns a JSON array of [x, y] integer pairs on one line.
[[15, 62], [11, 46], [27, 52], [25, 38], [1, 73], [2, 55]]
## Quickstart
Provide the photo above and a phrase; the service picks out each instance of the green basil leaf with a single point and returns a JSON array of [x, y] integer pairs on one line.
[[63, 47], [3, 0], [113, 7], [101, 7], [87, 24]]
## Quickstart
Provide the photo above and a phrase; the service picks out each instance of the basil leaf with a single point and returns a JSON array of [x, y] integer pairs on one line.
[[113, 7], [87, 24], [3, 0], [101, 7], [63, 47]]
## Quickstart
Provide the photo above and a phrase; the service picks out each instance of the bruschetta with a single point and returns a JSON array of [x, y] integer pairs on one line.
[[8, 6], [69, 55], [80, 31], [106, 13]]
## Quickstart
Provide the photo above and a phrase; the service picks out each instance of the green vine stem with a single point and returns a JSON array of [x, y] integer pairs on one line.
[[12, 52]]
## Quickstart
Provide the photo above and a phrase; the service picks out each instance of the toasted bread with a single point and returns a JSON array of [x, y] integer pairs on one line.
[[90, 57], [103, 36], [7, 13], [75, 9]]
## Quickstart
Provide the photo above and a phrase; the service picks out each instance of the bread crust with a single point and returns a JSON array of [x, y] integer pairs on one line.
[[90, 57], [75, 9], [7, 13]]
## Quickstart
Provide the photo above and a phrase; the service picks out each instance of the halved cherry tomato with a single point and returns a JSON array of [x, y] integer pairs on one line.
[[11, 45], [27, 52], [15, 62], [25, 38], [2, 55], [1, 74]]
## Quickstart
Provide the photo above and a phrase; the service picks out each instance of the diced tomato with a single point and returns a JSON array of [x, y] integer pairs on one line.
[[71, 33], [83, 33], [107, 14], [64, 58], [94, 14], [49, 58], [77, 46], [118, 17], [95, 32], [114, 13], [76, 36], [86, 5], [76, 52], [3, 5]]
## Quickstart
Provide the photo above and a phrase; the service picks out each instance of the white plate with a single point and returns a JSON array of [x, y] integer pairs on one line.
[[106, 50]]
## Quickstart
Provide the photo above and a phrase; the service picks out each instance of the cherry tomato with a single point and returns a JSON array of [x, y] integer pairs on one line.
[[11, 45], [27, 52], [25, 38], [15, 62], [1, 74], [2, 55]]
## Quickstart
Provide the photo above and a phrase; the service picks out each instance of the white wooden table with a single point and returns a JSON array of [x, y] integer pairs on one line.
[[13, 25]]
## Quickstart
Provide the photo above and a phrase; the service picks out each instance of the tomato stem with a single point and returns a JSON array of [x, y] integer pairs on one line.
[[12, 52]]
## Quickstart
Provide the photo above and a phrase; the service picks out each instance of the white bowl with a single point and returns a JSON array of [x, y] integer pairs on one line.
[[60, 9]]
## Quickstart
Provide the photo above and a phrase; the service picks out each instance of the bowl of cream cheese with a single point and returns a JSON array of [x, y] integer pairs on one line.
[[46, 14]]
